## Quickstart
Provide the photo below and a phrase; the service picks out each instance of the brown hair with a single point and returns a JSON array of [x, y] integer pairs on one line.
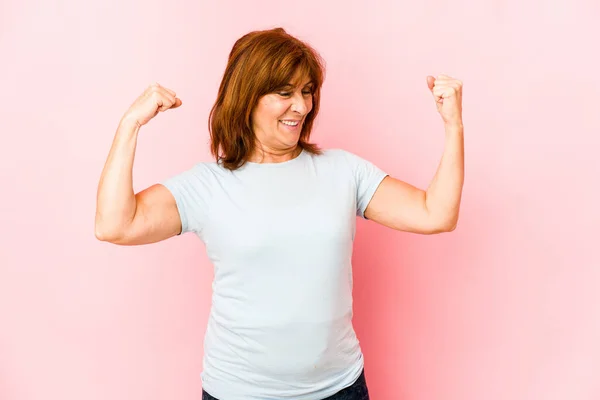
[[260, 62]]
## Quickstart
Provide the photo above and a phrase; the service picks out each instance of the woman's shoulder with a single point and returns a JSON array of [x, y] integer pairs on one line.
[[339, 155], [206, 171], [334, 153]]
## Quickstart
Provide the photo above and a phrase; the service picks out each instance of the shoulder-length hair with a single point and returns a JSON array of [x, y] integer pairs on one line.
[[260, 62]]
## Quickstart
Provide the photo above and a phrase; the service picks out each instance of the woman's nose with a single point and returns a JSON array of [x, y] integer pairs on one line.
[[299, 105]]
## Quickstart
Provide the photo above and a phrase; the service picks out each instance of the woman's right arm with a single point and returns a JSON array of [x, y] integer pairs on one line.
[[151, 215]]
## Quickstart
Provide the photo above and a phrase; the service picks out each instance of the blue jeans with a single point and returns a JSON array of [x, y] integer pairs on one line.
[[357, 391]]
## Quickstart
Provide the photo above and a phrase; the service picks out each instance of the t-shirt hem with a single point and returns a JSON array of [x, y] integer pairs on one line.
[[355, 372]]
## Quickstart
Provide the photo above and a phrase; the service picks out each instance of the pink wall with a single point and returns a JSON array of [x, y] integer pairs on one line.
[[505, 307]]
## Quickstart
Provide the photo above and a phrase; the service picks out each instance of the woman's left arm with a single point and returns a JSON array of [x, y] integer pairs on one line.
[[401, 206]]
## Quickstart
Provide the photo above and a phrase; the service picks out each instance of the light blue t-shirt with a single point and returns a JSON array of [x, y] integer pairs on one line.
[[280, 237]]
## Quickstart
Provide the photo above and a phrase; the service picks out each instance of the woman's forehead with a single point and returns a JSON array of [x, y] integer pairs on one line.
[[300, 79]]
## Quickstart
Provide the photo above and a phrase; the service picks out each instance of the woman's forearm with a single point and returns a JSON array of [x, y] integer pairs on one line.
[[116, 204], [444, 193]]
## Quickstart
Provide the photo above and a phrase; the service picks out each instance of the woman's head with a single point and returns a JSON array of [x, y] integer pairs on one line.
[[272, 81]]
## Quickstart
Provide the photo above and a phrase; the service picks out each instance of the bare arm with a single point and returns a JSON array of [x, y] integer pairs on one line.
[[401, 206], [123, 217]]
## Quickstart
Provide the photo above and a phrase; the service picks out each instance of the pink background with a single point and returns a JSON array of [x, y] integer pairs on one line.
[[505, 307]]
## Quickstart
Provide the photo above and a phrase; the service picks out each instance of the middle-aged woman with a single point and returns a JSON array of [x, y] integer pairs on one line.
[[277, 215]]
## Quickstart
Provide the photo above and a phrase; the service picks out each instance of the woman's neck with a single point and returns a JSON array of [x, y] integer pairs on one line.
[[264, 154]]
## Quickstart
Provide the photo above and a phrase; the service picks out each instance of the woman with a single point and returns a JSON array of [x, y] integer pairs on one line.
[[277, 215]]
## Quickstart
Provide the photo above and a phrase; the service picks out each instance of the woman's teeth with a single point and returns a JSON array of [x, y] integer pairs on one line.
[[289, 123]]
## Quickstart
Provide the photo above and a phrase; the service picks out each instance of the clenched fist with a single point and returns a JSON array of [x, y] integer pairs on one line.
[[154, 99], [447, 93]]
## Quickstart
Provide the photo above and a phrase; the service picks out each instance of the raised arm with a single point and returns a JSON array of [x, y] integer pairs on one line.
[[401, 206], [151, 215]]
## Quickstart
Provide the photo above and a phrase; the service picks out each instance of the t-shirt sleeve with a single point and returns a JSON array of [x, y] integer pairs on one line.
[[192, 193], [367, 177]]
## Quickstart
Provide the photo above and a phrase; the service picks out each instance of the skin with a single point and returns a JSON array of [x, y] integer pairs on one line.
[[126, 218], [277, 142], [401, 206]]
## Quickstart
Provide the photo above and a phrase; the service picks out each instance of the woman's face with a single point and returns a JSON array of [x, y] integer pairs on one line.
[[278, 117]]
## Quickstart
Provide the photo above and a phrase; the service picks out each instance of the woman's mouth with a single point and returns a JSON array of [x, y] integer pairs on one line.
[[290, 124]]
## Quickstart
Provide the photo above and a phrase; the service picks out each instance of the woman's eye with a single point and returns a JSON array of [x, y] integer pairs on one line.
[[288, 94]]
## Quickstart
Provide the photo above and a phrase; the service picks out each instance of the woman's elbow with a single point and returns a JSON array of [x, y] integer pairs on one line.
[[444, 226], [107, 233]]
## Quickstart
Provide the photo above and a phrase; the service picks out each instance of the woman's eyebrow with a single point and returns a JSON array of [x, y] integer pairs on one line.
[[291, 85]]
